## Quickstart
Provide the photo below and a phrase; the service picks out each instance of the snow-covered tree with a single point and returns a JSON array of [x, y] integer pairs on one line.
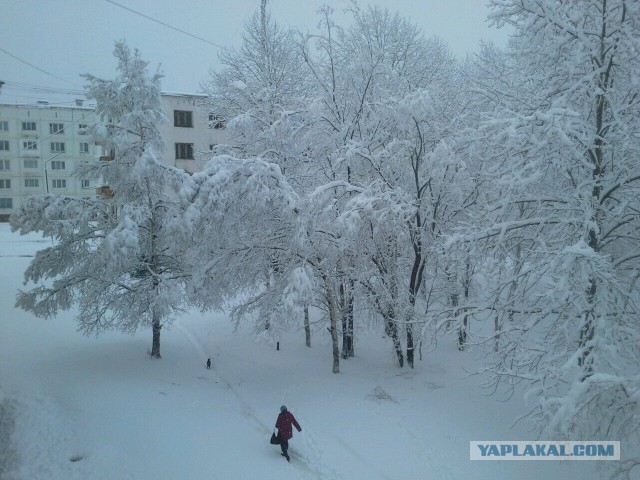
[[563, 225], [378, 132], [259, 92], [385, 123], [421, 188], [114, 257]]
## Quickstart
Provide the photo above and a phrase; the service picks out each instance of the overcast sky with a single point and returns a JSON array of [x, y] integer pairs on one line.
[[68, 37]]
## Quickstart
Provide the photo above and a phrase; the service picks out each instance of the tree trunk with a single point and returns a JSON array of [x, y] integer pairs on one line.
[[350, 341], [155, 267], [453, 303], [517, 266], [334, 336], [586, 335], [410, 345], [343, 318], [392, 330], [413, 290], [462, 332], [346, 301], [596, 158], [307, 327], [391, 325], [266, 323], [414, 286], [155, 346], [333, 322]]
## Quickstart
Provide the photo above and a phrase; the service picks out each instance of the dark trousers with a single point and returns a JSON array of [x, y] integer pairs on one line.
[[284, 445]]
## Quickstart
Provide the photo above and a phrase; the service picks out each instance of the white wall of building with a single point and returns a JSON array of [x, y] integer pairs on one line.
[[201, 135], [40, 157], [31, 161]]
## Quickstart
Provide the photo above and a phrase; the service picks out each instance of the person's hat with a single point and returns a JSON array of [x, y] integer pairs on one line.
[[283, 409]]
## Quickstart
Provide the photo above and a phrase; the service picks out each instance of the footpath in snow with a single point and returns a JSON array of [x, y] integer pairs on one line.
[[76, 407]]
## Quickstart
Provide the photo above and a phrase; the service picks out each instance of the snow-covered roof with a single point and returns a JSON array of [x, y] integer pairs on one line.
[[14, 96], [86, 105], [177, 94]]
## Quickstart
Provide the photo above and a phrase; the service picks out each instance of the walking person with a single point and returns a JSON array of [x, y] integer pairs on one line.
[[285, 430], [208, 364]]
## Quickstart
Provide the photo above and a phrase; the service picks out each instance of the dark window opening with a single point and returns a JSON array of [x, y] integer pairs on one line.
[[182, 118], [216, 121], [184, 151]]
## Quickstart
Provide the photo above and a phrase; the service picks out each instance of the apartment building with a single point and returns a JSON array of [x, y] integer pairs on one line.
[[190, 133], [41, 144]]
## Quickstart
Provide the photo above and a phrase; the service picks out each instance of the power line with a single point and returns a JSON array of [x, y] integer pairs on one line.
[[26, 98], [37, 68], [165, 24], [21, 97], [45, 89], [41, 88]]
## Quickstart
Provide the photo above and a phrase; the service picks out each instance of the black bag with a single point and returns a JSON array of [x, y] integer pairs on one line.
[[275, 439]]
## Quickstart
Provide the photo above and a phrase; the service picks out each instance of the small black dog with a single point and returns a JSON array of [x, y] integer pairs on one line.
[[208, 364]]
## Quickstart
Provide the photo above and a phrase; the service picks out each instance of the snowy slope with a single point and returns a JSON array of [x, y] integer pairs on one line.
[[75, 407]]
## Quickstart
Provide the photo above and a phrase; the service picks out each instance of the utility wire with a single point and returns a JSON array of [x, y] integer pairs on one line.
[[42, 88], [165, 24], [37, 68]]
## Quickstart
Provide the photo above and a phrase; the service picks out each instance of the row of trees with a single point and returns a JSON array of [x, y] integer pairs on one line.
[[380, 181]]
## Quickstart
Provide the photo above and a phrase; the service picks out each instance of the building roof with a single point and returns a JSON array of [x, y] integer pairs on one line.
[[12, 96], [174, 94], [86, 105]]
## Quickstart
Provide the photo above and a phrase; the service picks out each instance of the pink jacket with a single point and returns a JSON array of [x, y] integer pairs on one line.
[[283, 424]]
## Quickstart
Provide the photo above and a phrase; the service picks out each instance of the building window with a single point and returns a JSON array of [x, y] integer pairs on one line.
[[84, 183], [215, 121], [182, 118], [57, 147], [30, 163], [6, 202], [28, 126], [59, 183], [56, 128], [4, 126], [184, 151], [31, 182], [5, 165], [82, 129], [30, 145], [4, 145], [84, 147], [5, 183], [57, 165]]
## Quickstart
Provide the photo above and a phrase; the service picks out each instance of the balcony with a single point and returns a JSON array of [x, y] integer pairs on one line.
[[104, 191]]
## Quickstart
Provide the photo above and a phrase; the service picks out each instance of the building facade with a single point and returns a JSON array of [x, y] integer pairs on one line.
[[41, 144], [190, 133]]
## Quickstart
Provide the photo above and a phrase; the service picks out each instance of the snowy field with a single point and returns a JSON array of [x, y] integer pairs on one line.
[[76, 407]]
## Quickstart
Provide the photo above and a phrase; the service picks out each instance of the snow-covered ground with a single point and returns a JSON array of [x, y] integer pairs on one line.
[[76, 407]]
